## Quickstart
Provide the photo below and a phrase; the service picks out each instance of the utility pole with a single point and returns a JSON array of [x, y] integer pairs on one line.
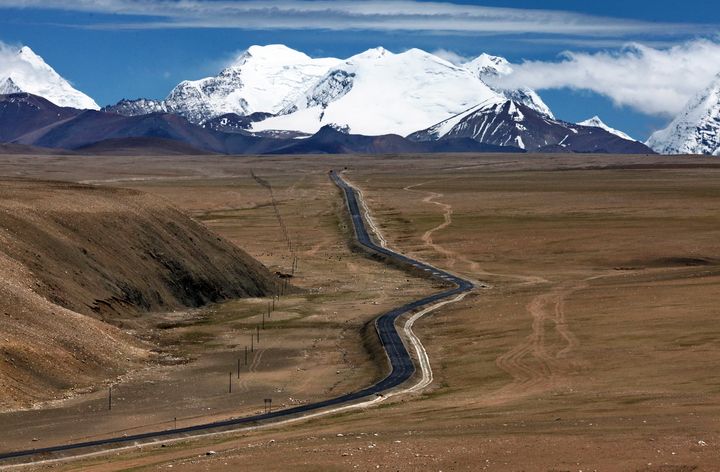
[[238, 369], [263, 321], [229, 382]]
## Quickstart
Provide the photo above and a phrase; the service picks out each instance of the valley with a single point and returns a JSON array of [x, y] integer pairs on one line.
[[587, 346], [309, 235]]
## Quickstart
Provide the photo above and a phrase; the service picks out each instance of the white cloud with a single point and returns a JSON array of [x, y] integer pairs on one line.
[[392, 15], [652, 80], [11, 65], [451, 56]]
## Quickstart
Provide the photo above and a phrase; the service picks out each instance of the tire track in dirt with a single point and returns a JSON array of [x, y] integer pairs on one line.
[[452, 256], [534, 363], [427, 237], [531, 364], [252, 369], [256, 360]]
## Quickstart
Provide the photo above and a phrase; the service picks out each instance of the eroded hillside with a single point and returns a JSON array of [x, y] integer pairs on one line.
[[78, 263]]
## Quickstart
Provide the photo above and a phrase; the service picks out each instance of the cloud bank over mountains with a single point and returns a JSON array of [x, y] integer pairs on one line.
[[655, 81]]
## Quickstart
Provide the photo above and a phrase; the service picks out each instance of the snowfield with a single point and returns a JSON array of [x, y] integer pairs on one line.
[[384, 93]]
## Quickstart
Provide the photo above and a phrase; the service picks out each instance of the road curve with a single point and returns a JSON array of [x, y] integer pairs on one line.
[[402, 367]]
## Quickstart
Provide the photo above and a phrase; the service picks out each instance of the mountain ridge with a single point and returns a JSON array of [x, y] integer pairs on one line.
[[598, 123], [28, 72], [513, 123], [421, 82], [88, 131], [696, 130]]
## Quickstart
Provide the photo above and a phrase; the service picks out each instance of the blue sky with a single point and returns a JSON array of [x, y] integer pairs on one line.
[[142, 48]]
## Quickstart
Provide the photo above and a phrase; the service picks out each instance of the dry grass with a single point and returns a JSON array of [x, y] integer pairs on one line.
[[592, 350]]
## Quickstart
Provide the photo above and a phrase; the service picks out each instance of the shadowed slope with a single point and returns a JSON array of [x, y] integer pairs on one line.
[[73, 256]]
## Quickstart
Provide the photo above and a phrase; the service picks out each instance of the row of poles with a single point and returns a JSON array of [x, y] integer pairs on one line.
[[254, 339], [281, 290]]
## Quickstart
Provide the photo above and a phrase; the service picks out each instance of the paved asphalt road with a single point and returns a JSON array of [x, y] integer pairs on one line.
[[402, 367]]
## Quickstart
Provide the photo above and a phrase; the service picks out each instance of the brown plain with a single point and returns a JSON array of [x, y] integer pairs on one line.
[[593, 347]]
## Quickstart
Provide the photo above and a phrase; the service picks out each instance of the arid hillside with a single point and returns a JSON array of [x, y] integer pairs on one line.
[[79, 263]]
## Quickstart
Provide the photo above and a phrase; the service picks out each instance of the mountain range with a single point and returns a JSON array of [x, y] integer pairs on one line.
[[373, 93], [273, 98], [32, 121]]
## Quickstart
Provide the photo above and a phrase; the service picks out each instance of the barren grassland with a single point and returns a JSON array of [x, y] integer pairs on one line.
[[592, 348], [317, 342]]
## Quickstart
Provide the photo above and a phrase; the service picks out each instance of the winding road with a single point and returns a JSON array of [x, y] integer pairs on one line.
[[402, 367]]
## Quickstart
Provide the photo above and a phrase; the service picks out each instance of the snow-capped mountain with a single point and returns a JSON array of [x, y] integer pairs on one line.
[[510, 123], [28, 72], [262, 79], [696, 130], [374, 92], [378, 92], [598, 123], [492, 68], [485, 66], [30, 120]]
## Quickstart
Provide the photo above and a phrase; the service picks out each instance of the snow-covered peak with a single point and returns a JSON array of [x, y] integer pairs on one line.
[[529, 98], [262, 79], [378, 92], [696, 130], [596, 122], [28, 72], [486, 65], [492, 68], [510, 123], [29, 56], [278, 53], [371, 54]]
